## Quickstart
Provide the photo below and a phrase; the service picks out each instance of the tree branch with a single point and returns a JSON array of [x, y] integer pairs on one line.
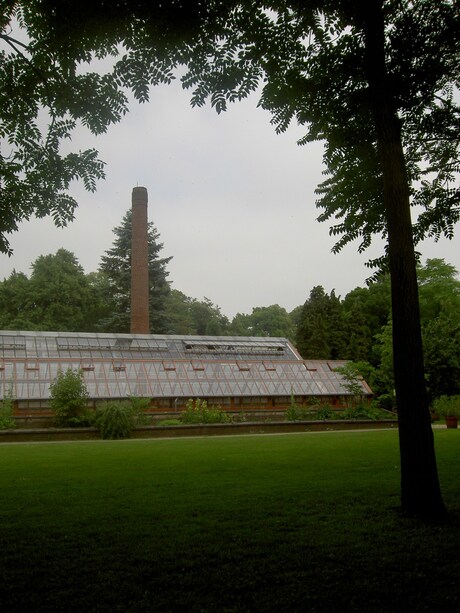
[[10, 40]]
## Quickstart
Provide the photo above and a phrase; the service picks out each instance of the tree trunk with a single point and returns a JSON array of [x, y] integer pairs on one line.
[[420, 491]]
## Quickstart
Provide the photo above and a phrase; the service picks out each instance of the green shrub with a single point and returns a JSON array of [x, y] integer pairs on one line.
[[293, 413], [69, 398], [324, 412], [351, 379], [359, 412], [198, 412], [115, 420], [387, 402], [296, 412], [447, 406], [315, 409], [169, 422], [312, 401], [138, 407], [6, 411], [366, 411]]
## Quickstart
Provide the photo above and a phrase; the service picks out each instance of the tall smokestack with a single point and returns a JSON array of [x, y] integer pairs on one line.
[[139, 263]]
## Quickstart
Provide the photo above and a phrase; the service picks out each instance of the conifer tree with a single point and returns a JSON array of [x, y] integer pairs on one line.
[[116, 266], [312, 333]]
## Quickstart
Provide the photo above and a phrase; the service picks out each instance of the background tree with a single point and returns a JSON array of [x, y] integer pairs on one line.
[[208, 318], [360, 328], [60, 295], [359, 344], [178, 308], [337, 327], [320, 331], [241, 325], [440, 316], [187, 315], [441, 339], [366, 310], [295, 316], [101, 307], [273, 320], [439, 290], [116, 266], [383, 383], [14, 303]]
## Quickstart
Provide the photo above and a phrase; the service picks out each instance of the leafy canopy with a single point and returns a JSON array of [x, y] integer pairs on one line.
[[310, 59], [58, 296], [307, 58]]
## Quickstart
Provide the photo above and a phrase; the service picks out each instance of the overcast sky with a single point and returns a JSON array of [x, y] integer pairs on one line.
[[233, 201]]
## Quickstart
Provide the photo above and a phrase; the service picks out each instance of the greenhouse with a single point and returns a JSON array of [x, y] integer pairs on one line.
[[234, 372]]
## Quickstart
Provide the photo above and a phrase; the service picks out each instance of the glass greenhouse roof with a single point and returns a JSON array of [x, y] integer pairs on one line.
[[54, 344], [122, 365]]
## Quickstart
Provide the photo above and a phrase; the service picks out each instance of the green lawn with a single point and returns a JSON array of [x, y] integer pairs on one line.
[[304, 522]]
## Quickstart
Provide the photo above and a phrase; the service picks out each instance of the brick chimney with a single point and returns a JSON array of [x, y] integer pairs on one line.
[[139, 263]]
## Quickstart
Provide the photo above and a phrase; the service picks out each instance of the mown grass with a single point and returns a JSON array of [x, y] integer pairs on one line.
[[278, 523]]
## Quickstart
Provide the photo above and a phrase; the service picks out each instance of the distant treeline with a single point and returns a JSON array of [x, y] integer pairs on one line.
[[59, 296]]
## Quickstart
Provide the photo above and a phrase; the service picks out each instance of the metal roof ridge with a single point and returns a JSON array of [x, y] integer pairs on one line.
[[60, 333]]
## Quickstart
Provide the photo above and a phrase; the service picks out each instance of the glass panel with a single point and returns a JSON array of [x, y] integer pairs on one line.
[[12, 342], [197, 365], [87, 365]]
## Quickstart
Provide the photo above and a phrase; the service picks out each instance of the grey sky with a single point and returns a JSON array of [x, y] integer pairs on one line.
[[234, 204]]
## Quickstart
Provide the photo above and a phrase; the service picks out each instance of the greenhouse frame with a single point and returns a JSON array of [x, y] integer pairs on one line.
[[237, 373]]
